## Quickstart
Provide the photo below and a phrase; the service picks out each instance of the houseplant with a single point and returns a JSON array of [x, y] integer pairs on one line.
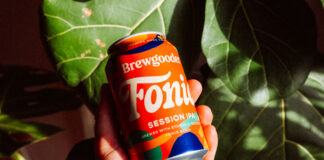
[[261, 80], [29, 92], [263, 87]]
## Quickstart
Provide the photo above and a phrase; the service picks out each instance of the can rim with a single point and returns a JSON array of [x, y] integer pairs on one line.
[[133, 35]]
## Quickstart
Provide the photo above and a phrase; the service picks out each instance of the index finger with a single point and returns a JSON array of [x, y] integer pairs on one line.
[[108, 145], [195, 89]]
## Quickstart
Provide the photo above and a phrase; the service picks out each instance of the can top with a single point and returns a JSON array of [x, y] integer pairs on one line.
[[128, 43]]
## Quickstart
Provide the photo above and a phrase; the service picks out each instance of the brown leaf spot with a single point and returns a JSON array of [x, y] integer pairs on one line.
[[87, 12], [99, 43]]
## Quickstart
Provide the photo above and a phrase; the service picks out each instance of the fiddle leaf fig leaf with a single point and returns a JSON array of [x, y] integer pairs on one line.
[[80, 32], [15, 134], [261, 50], [290, 128]]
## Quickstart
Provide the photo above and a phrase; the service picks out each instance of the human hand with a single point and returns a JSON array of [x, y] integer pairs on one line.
[[108, 144]]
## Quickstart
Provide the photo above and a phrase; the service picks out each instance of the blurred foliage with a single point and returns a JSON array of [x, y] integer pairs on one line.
[[29, 92]]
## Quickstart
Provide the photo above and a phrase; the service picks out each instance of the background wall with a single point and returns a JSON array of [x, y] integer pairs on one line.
[[20, 44]]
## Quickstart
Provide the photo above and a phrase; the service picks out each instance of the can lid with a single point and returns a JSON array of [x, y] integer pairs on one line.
[[132, 41]]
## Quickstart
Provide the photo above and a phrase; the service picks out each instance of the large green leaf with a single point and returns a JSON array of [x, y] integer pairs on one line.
[[261, 50], [290, 128], [15, 134], [79, 33]]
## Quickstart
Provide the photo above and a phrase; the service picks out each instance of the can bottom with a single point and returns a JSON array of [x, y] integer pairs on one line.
[[191, 155]]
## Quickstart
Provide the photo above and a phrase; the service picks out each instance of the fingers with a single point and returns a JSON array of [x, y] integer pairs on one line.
[[108, 146], [212, 141], [205, 115], [195, 89], [206, 118]]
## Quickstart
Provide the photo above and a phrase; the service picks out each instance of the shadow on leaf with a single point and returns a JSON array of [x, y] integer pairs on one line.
[[274, 39], [290, 128]]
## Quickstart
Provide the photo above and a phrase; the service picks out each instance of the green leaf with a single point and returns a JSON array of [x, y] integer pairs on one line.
[[261, 50], [27, 92], [290, 128], [79, 33], [15, 134], [17, 156]]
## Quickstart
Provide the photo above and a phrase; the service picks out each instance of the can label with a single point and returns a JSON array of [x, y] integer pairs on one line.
[[157, 114]]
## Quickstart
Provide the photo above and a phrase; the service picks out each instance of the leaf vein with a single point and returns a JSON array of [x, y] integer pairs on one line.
[[214, 89], [280, 61], [211, 22], [59, 18], [228, 44], [162, 20], [145, 16], [310, 104], [300, 146], [86, 27], [132, 10], [254, 37], [283, 20], [227, 111], [217, 4], [93, 70], [283, 123], [277, 39], [267, 142], [248, 71], [250, 24], [315, 79], [248, 128], [216, 44], [273, 150], [75, 59]]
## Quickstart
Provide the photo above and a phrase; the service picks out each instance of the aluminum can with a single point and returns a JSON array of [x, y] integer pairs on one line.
[[157, 115]]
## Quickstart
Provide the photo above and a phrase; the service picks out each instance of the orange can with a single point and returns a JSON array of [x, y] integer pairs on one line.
[[157, 115]]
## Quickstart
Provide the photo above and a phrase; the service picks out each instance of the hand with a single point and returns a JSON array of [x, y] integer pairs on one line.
[[108, 143]]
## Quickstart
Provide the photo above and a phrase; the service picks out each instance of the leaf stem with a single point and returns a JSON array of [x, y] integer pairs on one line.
[[283, 118]]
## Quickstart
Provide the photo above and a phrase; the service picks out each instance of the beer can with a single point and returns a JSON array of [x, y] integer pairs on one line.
[[157, 115]]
